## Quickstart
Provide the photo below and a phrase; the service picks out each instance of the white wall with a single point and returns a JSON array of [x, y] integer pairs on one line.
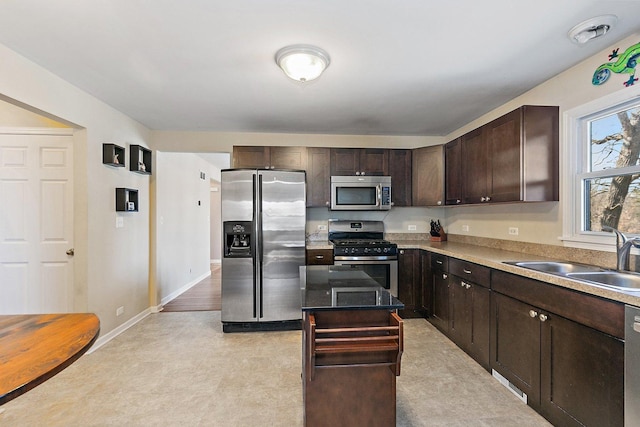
[[215, 239], [111, 265], [223, 142], [15, 116], [182, 222]]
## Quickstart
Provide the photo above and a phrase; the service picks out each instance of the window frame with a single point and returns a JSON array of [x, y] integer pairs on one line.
[[575, 156]]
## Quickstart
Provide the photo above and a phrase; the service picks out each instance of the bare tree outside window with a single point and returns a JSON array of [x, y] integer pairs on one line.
[[613, 190]]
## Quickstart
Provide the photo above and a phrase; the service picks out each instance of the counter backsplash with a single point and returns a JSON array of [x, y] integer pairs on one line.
[[585, 256]]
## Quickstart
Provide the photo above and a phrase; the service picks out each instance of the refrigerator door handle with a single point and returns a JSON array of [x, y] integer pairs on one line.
[[255, 249], [259, 244]]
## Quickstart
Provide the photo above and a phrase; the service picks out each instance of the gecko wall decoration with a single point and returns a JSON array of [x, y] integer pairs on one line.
[[625, 63]]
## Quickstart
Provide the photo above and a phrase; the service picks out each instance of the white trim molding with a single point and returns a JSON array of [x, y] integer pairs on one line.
[[572, 157]]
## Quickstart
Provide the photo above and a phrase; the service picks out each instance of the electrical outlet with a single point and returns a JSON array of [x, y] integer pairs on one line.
[[119, 221], [513, 231], [120, 311], [412, 227], [465, 228], [322, 228]]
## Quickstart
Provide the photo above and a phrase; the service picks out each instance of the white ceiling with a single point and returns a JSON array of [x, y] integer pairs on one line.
[[404, 67]]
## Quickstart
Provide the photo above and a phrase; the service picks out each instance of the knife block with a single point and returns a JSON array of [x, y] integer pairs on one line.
[[441, 238]]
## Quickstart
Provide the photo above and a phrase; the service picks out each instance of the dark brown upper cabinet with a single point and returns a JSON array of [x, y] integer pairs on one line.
[[453, 175], [318, 177], [270, 157], [400, 170], [360, 161], [428, 176], [513, 158]]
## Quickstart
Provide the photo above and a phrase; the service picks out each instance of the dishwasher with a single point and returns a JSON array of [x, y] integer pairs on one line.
[[632, 366]]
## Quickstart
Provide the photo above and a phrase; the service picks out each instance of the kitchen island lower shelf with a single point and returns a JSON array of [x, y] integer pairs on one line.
[[351, 360]]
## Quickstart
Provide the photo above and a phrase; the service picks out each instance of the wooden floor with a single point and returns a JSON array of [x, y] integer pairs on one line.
[[204, 296]]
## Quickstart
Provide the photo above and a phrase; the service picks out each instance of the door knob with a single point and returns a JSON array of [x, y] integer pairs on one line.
[[71, 252]]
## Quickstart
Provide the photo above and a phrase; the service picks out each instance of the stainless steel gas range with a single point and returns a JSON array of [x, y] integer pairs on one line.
[[361, 245]]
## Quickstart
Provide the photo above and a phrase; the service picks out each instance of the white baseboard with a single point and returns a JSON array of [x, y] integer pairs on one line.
[[102, 340], [175, 294]]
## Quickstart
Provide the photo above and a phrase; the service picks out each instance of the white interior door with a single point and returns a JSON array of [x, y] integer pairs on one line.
[[36, 223]]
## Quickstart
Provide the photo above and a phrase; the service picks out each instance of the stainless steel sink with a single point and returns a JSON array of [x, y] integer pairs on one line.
[[621, 280], [557, 267], [616, 279]]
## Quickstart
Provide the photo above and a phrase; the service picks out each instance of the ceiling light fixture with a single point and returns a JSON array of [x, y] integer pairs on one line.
[[302, 62], [592, 28]]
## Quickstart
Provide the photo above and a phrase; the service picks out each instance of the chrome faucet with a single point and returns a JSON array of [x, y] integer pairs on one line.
[[623, 247]]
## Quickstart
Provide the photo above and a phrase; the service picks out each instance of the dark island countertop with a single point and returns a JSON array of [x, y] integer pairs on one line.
[[335, 287]]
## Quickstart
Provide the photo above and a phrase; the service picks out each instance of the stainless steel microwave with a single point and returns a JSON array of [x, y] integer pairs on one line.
[[361, 193]]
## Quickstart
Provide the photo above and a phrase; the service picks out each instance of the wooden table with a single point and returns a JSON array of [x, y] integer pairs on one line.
[[33, 348]]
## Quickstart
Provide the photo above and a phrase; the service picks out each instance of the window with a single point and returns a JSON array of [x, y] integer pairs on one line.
[[610, 176], [602, 180]]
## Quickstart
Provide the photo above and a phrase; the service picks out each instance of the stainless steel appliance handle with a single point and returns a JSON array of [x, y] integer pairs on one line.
[[260, 243], [256, 247], [343, 260], [378, 194]]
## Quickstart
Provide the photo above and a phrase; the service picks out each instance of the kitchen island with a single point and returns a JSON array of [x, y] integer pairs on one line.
[[352, 345]]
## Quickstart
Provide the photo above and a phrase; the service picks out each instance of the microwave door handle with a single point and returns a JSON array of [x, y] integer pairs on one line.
[[378, 195]]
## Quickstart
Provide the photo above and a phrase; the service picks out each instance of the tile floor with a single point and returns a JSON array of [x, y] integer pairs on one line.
[[179, 369]]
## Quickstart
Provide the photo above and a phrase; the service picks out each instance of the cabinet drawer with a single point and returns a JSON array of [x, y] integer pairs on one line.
[[475, 273], [439, 262], [319, 257]]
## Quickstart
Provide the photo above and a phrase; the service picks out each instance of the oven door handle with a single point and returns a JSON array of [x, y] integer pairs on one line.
[[341, 260]]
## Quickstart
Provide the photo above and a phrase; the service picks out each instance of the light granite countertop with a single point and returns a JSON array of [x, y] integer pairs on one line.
[[495, 258]]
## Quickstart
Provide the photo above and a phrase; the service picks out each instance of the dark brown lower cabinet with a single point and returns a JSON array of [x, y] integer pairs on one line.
[[572, 374], [440, 292], [426, 286], [409, 281], [469, 305], [582, 380], [350, 363]]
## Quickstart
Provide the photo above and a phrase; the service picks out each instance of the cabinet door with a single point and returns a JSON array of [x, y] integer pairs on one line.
[[475, 164], [459, 314], [400, 172], [318, 177], [515, 338], [440, 317], [504, 142], [428, 176], [582, 375], [408, 278], [426, 281], [453, 172], [478, 342], [359, 161], [250, 157], [374, 161], [288, 158], [345, 161]]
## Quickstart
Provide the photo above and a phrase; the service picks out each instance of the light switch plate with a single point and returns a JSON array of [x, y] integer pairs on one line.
[[119, 221]]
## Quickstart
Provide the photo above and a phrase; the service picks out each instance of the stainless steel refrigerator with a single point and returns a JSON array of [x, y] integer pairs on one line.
[[263, 220]]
